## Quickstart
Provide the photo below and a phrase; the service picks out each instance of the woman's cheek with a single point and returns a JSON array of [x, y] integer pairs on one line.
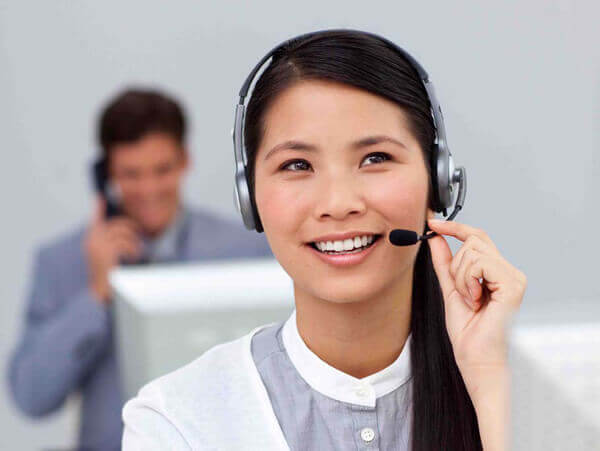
[[400, 200], [281, 206]]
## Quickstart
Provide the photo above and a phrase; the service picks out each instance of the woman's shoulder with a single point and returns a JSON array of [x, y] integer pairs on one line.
[[173, 408], [190, 407], [211, 367]]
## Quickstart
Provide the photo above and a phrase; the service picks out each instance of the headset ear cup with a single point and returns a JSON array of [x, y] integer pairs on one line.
[[433, 164], [256, 219], [244, 200]]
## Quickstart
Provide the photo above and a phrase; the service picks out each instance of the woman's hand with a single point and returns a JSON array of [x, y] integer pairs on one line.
[[481, 293]]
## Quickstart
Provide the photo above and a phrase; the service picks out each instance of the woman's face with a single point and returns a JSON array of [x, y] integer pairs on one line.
[[337, 164]]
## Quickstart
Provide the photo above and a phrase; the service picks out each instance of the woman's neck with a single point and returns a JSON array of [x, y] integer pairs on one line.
[[358, 338]]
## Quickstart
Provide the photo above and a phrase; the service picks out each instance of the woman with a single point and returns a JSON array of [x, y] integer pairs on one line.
[[389, 347]]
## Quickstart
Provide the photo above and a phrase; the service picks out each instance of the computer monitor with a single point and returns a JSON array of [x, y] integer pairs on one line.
[[168, 315]]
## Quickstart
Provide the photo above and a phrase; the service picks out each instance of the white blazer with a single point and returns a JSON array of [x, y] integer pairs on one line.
[[216, 402]]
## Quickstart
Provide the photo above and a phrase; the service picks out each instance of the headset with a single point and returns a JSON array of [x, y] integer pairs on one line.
[[445, 176]]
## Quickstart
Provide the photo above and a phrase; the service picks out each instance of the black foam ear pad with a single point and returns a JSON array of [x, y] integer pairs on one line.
[[433, 166], [257, 222]]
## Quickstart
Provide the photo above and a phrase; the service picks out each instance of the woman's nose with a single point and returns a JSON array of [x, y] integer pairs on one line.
[[338, 198]]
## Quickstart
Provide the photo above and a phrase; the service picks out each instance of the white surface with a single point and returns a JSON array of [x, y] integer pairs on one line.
[[556, 386], [217, 285], [567, 355]]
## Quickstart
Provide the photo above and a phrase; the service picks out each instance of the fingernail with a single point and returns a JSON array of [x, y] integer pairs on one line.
[[435, 221]]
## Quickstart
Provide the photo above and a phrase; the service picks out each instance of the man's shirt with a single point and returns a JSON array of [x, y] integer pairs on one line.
[[67, 342]]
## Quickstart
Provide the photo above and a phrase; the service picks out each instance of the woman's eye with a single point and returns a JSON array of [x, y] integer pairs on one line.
[[296, 165], [374, 158]]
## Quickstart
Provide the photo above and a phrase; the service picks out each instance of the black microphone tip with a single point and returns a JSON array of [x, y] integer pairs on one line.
[[401, 237]]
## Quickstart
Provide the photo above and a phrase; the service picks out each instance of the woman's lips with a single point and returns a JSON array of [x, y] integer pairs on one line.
[[346, 259]]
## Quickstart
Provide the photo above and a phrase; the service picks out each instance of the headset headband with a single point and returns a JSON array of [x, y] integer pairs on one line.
[[445, 175], [438, 118]]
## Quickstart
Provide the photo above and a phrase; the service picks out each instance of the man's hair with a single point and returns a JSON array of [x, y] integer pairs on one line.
[[134, 113]]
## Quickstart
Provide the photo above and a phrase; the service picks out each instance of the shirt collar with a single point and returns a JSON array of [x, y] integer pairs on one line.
[[165, 247], [336, 384]]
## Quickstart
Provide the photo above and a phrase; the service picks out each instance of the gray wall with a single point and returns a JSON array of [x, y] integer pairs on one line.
[[519, 81]]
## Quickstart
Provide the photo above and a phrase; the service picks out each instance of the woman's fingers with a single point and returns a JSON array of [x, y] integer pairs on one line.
[[505, 283], [450, 270], [475, 243], [441, 255], [460, 231], [466, 285], [478, 266]]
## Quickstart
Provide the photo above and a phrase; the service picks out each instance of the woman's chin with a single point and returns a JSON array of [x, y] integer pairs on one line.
[[346, 293]]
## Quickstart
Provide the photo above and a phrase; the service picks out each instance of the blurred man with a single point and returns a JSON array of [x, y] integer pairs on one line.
[[67, 342]]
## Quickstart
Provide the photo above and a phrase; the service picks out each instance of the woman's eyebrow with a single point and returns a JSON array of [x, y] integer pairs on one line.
[[372, 140], [291, 145], [361, 143]]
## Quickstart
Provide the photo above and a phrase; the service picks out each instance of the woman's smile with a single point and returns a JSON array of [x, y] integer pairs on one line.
[[345, 249], [330, 185]]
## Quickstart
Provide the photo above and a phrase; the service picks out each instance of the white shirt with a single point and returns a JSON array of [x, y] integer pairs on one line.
[[336, 384], [216, 402], [219, 402]]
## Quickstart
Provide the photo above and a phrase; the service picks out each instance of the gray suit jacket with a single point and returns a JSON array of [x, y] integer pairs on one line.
[[67, 340]]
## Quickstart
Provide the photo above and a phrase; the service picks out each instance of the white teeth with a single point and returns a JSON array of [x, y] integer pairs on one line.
[[348, 244]]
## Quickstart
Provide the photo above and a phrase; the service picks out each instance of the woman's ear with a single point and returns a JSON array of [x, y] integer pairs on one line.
[[430, 214]]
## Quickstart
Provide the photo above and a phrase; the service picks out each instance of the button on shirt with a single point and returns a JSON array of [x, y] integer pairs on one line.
[[320, 407]]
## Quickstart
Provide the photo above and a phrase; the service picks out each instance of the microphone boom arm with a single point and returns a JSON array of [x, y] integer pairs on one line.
[[400, 237]]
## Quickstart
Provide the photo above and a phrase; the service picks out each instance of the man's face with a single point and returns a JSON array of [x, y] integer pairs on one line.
[[148, 173]]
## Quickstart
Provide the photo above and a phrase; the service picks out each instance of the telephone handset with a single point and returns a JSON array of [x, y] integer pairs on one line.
[[104, 188]]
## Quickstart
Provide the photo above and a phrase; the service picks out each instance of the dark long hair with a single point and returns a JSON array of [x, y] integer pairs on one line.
[[443, 415]]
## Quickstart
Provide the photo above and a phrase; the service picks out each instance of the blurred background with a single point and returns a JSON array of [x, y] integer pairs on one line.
[[519, 82]]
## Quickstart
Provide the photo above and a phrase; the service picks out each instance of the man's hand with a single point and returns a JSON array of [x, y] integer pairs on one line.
[[105, 242]]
